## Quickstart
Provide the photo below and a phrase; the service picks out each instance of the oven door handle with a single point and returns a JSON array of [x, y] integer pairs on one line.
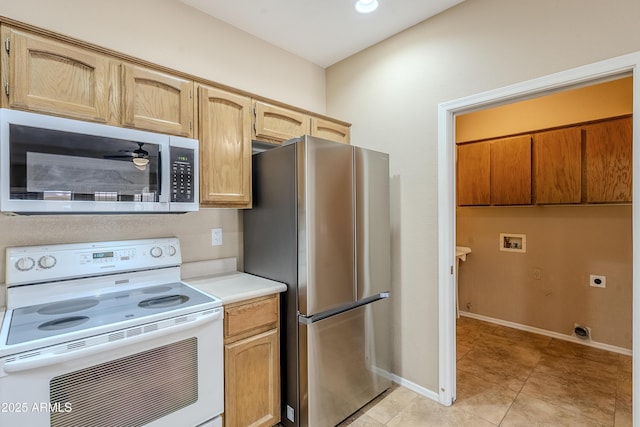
[[52, 358]]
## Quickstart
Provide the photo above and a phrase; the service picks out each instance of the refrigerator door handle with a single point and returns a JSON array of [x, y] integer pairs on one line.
[[307, 320]]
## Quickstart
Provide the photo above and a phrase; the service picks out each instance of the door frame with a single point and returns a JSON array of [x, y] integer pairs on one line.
[[447, 111]]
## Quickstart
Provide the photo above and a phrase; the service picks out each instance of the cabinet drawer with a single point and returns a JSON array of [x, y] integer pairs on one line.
[[251, 317]]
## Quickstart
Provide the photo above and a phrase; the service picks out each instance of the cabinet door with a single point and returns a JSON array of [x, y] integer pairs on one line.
[[607, 161], [474, 174], [252, 381], [511, 171], [557, 166], [53, 77], [277, 124], [156, 101], [330, 130], [225, 148]]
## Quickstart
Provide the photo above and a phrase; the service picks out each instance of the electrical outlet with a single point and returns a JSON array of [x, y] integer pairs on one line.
[[216, 237], [597, 281]]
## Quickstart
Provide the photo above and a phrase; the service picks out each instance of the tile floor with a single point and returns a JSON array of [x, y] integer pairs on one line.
[[508, 377]]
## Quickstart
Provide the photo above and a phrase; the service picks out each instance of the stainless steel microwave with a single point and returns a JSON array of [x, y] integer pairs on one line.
[[56, 165]]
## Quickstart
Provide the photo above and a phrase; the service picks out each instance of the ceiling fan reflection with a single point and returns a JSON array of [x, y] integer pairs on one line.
[[139, 157]]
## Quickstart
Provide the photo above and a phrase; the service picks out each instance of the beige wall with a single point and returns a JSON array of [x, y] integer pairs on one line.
[[598, 101], [566, 244], [171, 34], [193, 229], [391, 92]]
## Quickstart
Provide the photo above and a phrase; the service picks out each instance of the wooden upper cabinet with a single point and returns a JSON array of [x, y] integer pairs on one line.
[[330, 130], [557, 166], [225, 148], [474, 174], [496, 172], [156, 101], [607, 161], [511, 171], [52, 77], [278, 124]]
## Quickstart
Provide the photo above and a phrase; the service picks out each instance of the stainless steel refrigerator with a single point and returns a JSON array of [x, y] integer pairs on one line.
[[320, 224]]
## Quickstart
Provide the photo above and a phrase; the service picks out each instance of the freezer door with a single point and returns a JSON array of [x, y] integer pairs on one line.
[[326, 267], [345, 363], [372, 223]]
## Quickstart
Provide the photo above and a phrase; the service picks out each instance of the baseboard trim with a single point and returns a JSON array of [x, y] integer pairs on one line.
[[415, 387], [602, 346]]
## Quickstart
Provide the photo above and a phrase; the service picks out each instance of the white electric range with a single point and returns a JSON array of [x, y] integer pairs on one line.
[[106, 334]]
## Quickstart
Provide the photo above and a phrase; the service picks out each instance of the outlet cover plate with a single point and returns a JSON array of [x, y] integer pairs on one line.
[[216, 237]]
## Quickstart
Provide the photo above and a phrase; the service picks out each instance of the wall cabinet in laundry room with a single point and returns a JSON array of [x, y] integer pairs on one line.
[[608, 167], [585, 163], [474, 174], [511, 171], [494, 172], [557, 166]]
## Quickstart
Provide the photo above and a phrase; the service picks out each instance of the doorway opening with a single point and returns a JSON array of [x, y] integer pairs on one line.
[[583, 76]]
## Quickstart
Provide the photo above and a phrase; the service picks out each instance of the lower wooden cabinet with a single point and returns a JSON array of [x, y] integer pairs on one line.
[[252, 363]]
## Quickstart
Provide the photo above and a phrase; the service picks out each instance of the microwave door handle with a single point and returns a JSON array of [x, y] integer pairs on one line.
[[52, 359], [164, 193]]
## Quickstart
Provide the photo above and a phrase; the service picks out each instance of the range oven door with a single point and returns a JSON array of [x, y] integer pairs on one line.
[[157, 378]]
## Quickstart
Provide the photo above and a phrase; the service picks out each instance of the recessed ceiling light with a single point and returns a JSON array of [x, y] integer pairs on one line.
[[366, 6]]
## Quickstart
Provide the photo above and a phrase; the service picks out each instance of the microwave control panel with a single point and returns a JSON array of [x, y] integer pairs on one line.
[[182, 174]]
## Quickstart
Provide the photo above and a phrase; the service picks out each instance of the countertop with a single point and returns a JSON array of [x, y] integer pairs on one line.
[[236, 286], [220, 278]]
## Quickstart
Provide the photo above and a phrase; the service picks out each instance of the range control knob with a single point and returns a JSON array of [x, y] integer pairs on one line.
[[156, 252], [47, 261], [25, 263], [171, 250]]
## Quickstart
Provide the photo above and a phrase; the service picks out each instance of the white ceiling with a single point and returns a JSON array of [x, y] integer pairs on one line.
[[321, 31]]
